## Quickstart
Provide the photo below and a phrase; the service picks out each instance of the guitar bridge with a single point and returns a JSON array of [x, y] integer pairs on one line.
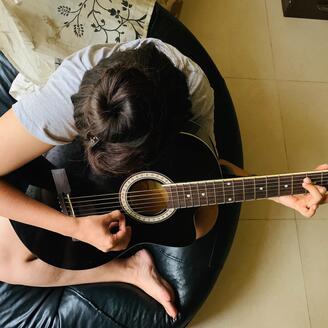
[[63, 192]]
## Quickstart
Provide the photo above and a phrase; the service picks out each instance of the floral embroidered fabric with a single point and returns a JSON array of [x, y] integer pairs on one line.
[[33, 34]]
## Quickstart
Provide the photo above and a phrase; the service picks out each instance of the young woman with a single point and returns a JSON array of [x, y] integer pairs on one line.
[[128, 101], [125, 108]]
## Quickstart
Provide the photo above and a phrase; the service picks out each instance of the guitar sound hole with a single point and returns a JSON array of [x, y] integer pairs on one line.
[[148, 197]]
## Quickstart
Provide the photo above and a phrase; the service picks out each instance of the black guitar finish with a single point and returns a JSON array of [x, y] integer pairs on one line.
[[188, 159]]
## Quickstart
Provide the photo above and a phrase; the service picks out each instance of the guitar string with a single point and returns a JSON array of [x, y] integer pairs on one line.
[[175, 195], [109, 209], [206, 189], [152, 196], [250, 180], [209, 194], [298, 190], [152, 206]]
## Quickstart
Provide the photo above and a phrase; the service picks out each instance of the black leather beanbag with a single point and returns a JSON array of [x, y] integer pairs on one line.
[[191, 270]]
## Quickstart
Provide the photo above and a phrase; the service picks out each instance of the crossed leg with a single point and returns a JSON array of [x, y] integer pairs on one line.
[[18, 266]]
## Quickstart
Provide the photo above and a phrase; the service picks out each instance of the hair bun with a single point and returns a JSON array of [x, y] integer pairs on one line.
[[135, 101]]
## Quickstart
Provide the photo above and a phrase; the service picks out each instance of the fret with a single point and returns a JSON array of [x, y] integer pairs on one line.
[[175, 196], [239, 190], [219, 192], [210, 193], [297, 184], [285, 185], [233, 189], [198, 193], [181, 196], [188, 195], [249, 188], [260, 188], [272, 186], [325, 179], [192, 196], [321, 178], [215, 193], [202, 194], [228, 191], [195, 194], [170, 203], [315, 178]]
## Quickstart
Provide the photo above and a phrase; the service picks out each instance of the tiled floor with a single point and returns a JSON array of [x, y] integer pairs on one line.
[[276, 69]]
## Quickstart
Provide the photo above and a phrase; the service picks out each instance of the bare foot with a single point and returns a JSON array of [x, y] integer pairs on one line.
[[145, 276]]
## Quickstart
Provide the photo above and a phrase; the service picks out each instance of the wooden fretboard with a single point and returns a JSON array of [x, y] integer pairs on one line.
[[222, 191]]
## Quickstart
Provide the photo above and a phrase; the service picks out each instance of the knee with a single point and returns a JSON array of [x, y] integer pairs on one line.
[[12, 267], [7, 269], [13, 254], [205, 219]]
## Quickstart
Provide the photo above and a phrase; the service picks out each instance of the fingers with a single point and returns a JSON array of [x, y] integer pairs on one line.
[[119, 239], [316, 192], [115, 215], [307, 211], [310, 203], [322, 167], [123, 241]]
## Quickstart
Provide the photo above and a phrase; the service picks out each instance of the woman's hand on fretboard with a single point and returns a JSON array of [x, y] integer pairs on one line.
[[306, 204]]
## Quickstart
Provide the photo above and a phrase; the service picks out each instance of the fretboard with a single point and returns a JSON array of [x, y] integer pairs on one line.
[[223, 191]]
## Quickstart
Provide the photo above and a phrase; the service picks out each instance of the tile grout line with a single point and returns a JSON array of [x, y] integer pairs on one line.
[[268, 79], [286, 153], [277, 89], [275, 219], [270, 39], [302, 268]]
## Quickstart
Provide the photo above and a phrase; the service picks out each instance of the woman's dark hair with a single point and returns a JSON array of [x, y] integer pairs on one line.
[[128, 107]]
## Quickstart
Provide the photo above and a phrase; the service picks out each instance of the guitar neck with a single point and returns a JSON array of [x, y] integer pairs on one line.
[[223, 191]]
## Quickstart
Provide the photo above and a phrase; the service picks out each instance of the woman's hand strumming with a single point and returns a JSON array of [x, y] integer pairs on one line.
[[107, 232]]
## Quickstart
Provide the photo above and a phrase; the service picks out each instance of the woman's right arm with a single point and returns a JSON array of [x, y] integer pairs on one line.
[[18, 147]]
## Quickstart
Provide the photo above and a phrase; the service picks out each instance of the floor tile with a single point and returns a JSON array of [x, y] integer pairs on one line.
[[314, 245], [261, 285], [300, 46], [304, 116], [257, 107], [235, 33]]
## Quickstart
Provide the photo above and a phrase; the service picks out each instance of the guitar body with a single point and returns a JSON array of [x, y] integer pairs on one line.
[[187, 159]]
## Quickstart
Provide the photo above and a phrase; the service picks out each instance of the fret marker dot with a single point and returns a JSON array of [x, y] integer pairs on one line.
[[229, 199], [261, 188], [228, 184], [203, 194], [286, 185], [188, 195]]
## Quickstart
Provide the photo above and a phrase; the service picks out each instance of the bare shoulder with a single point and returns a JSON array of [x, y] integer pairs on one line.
[[17, 145]]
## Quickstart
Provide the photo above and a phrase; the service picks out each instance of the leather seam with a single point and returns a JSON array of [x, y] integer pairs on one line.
[[91, 304], [172, 257]]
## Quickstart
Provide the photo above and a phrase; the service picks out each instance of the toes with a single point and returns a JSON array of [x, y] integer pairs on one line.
[[170, 309], [169, 293], [154, 285]]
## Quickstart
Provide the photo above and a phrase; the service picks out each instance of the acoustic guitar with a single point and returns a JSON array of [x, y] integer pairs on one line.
[[159, 203]]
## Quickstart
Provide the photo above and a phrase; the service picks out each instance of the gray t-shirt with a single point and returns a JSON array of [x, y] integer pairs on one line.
[[48, 113]]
